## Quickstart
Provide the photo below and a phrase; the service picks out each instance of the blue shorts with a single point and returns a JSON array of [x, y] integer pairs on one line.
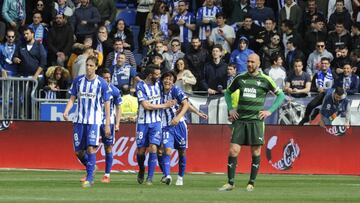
[[104, 139], [148, 134], [175, 137], [85, 135]]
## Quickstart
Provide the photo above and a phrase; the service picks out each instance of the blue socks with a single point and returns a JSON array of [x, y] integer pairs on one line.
[[90, 167], [166, 160], [108, 161], [182, 165], [84, 159], [161, 162], [151, 165]]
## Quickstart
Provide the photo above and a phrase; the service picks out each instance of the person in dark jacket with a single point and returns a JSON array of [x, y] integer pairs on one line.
[[215, 73], [315, 34], [340, 14], [60, 41], [347, 80], [339, 37], [355, 36]]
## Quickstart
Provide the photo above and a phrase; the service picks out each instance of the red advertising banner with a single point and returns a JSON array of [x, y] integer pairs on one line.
[[288, 149]]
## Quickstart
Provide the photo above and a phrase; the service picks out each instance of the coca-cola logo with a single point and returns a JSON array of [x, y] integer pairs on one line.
[[124, 153], [336, 130], [290, 152], [4, 125]]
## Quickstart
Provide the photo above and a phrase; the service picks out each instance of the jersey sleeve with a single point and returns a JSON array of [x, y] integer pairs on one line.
[[116, 96], [272, 85], [73, 91], [179, 94], [105, 91], [234, 85], [141, 93], [133, 72]]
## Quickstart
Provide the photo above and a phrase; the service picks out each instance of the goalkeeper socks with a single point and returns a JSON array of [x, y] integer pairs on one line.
[[166, 159], [255, 164], [141, 159], [182, 165], [160, 162], [151, 164], [232, 162], [108, 162], [84, 159], [90, 167]]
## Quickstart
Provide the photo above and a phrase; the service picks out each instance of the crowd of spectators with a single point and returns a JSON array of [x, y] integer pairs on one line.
[[304, 45]]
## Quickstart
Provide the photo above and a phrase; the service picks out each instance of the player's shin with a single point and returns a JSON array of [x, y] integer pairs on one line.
[[83, 158], [182, 164], [108, 161], [255, 165], [90, 167], [232, 163], [166, 160], [141, 159], [151, 165]]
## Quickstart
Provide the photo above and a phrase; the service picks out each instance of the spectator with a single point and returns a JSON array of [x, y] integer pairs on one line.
[[339, 37], [84, 20], [205, 18], [239, 56], [111, 58], [268, 50], [287, 28], [129, 106], [102, 43], [261, 13], [311, 13], [160, 14], [240, 9], [123, 73], [355, 62], [62, 78], [291, 11], [30, 56], [293, 54], [152, 36], [215, 73], [276, 71], [355, 36], [187, 23], [340, 14], [60, 41], [158, 60], [185, 79], [51, 90], [107, 10], [7, 51], [251, 31], [341, 57], [173, 55], [347, 80], [264, 36], [46, 9], [61, 7], [223, 35], [231, 73], [316, 33], [298, 82], [41, 31], [79, 66], [142, 10], [14, 13], [322, 81], [196, 58], [332, 7], [173, 33], [121, 31], [314, 60]]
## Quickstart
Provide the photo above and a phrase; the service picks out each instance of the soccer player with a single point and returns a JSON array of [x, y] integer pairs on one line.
[[174, 128], [115, 114], [91, 91], [248, 118], [148, 127]]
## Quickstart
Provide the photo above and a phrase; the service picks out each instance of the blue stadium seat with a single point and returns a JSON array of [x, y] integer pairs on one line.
[[135, 30], [129, 16]]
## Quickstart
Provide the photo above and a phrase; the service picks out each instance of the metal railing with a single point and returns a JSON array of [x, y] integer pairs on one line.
[[15, 100]]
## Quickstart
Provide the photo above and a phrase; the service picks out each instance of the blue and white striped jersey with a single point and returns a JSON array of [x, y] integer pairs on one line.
[[90, 94], [170, 113], [152, 94], [115, 99], [185, 33], [206, 13]]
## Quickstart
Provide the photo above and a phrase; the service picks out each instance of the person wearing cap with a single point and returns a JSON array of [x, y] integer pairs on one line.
[[223, 34], [239, 56]]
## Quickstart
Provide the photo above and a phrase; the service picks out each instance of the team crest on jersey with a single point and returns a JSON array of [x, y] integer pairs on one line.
[[258, 82], [249, 92], [140, 94], [290, 152]]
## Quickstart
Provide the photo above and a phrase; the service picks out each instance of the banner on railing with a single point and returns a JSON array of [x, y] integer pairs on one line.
[[54, 111], [288, 149]]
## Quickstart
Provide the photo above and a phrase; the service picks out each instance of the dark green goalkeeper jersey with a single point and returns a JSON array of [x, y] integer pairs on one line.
[[253, 90]]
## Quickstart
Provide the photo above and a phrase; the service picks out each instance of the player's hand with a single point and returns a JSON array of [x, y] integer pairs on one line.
[[347, 125], [170, 103], [107, 131], [322, 124], [175, 121], [264, 114], [66, 116], [211, 91], [233, 115], [202, 115], [117, 127]]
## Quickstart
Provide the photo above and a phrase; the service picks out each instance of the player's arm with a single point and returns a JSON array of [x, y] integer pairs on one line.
[[149, 106], [197, 112], [232, 88], [69, 105], [107, 118], [280, 96], [185, 107], [117, 117]]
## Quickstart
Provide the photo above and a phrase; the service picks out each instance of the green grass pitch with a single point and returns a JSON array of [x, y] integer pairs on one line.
[[64, 186]]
